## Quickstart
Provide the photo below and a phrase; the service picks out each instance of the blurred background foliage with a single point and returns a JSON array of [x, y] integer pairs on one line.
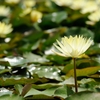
[[28, 68]]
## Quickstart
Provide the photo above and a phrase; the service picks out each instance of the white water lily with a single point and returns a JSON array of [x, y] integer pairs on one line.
[[4, 11], [89, 7], [5, 29], [73, 46], [95, 16]]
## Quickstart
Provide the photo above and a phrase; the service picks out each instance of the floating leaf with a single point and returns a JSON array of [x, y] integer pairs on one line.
[[41, 97], [50, 91], [45, 85], [94, 50], [18, 88], [11, 97], [56, 59], [59, 16], [19, 80], [84, 81], [80, 31], [4, 91], [49, 41], [63, 91], [32, 92], [32, 38], [67, 68], [86, 95], [47, 72], [69, 81], [30, 57], [56, 17], [84, 72], [14, 61]]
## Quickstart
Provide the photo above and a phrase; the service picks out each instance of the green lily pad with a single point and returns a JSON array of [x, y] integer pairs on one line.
[[4, 91], [46, 71], [86, 95], [14, 61], [11, 97], [80, 31]]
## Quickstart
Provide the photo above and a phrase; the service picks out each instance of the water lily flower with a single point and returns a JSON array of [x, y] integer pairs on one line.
[[73, 46], [89, 7], [36, 16], [95, 16], [5, 29], [4, 11]]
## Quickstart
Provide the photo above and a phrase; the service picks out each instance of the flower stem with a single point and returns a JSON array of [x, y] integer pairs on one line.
[[75, 76]]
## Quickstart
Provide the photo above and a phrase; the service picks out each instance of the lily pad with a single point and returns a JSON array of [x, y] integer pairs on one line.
[[80, 31], [46, 71], [86, 95]]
